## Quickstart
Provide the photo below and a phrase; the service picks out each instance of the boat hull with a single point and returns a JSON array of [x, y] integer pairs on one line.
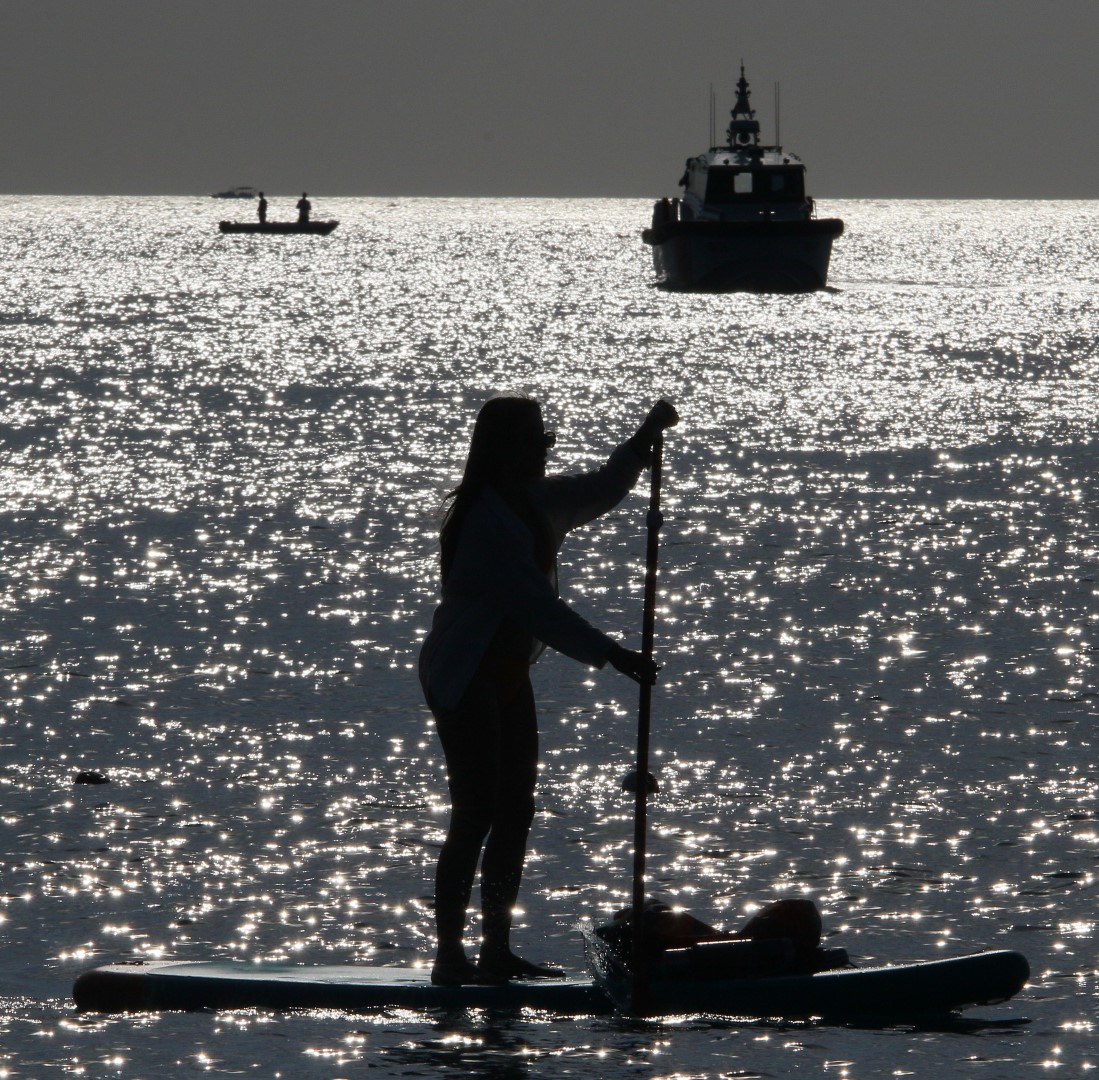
[[313, 228], [743, 256]]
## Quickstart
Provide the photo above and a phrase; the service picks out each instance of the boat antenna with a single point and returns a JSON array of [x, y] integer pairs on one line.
[[778, 141], [713, 117]]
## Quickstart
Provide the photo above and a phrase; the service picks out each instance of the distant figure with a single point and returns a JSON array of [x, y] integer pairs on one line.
[[499, 541], [262, 209], [303, 209]]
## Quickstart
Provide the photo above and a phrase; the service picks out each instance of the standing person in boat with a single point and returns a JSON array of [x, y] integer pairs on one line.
[[261, 209], [499, 541], [304, 207]]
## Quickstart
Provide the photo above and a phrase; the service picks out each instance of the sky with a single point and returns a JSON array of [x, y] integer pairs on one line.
[[880, 98]]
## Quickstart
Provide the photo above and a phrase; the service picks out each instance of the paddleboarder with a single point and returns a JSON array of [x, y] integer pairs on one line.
[[500, 535]]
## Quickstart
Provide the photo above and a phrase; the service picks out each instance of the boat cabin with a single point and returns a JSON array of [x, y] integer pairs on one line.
[[730, 185], [745, 179]]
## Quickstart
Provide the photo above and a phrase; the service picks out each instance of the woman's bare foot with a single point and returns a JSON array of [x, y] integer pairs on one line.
[[507, 965], [461, 972]]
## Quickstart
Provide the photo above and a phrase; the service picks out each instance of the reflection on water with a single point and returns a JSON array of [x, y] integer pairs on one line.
[[223, 463]]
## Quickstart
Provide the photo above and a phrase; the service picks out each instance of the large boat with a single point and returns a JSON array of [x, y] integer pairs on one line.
[[744, 221]]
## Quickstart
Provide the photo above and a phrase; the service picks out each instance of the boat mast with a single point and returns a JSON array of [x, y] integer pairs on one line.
[[743, 131]]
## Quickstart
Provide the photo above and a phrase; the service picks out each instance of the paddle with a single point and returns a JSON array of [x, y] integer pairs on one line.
[[642, 786]]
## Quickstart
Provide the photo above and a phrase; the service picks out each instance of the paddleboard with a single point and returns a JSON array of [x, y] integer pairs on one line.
[[900, 992], [234, 984]]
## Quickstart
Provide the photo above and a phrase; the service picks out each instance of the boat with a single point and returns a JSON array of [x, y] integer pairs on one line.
[[744, 221], [244, 192], [316, 228]]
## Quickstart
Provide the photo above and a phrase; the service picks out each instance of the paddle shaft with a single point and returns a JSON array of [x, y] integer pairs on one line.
[[654, 520]]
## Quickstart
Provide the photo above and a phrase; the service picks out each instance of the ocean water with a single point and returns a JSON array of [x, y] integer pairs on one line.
[[223, 460]]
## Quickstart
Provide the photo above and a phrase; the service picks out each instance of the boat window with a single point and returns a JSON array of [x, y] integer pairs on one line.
[[731, 185], [787, 184]]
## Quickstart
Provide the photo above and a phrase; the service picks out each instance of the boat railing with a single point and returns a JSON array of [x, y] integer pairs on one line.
[[669, 211]]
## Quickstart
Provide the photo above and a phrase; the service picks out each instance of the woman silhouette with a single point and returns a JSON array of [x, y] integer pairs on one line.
[[499, 541]]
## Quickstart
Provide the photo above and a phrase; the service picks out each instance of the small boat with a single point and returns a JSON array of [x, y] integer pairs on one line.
[[236, 193], [316, 228], [744, 221]]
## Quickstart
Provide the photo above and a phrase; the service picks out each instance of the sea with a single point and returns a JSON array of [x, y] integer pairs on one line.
[[223, 464]]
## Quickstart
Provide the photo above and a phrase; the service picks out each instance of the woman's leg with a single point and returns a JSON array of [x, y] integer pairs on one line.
[[513, 813], [470, 738], [492, 767], [506, 849]]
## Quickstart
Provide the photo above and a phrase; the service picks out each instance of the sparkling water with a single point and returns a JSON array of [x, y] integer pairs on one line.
[[224, 458]]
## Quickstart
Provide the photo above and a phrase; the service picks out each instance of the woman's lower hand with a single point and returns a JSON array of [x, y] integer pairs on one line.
[[639, 667]]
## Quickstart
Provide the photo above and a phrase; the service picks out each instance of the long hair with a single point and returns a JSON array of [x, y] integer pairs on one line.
[[494, 460]]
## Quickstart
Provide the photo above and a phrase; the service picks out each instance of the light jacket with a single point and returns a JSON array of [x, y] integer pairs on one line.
[[495, 577]]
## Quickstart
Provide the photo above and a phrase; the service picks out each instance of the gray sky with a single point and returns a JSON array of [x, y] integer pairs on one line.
[[891, 98]]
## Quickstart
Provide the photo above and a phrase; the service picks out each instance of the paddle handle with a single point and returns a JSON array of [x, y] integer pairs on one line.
[[654, 520]]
